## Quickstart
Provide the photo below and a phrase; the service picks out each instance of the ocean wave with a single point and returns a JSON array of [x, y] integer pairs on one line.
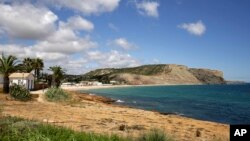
[[119, 101], [91, 94], [179, 114]]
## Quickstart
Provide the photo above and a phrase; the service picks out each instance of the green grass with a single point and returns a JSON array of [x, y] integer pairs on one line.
[[154, 135], [56, 94], [17, 129]]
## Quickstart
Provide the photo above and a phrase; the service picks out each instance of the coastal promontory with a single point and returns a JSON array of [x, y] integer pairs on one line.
[[157, 74]]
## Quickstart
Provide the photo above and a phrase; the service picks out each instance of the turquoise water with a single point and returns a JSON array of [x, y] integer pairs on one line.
[[220, 103]]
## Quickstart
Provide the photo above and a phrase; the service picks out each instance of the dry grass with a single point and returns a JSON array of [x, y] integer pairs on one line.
[[94, 116]]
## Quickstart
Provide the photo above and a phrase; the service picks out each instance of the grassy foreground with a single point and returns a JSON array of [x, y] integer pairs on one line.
[[17, 129]]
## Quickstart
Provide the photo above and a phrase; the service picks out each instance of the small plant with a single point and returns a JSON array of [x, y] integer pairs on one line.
[[154, 135], [19, 92], [56, 94]]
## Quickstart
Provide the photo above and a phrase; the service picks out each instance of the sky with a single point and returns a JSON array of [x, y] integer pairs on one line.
[[82, 35]]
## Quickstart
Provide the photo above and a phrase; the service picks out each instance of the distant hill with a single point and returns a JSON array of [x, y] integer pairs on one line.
[[157, 74]]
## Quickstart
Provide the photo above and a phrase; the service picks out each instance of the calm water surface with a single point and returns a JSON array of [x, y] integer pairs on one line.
[[220, 103]]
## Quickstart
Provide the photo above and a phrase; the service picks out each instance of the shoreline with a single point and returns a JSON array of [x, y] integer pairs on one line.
[[91, 114], [120, 86]]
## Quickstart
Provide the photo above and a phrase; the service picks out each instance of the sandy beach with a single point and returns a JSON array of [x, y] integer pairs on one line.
[[92, 114], [117, 86]]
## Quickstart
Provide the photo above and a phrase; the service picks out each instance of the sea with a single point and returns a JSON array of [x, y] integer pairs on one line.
[[228, 104]]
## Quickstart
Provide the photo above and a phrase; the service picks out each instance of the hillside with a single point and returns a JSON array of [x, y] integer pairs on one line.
[[157, 74]]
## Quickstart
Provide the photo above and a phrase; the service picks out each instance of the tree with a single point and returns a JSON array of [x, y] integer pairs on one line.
[[38, 66], [27, 65], [7, 66], [57, 75]]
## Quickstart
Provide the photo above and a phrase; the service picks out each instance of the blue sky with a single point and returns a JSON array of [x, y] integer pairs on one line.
[[84, 34]]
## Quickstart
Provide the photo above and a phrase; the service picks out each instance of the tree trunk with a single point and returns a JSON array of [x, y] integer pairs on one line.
[[36, 74], [6, 84]]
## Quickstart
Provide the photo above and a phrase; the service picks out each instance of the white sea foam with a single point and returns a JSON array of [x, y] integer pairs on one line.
[[179, 114], [119, 101]]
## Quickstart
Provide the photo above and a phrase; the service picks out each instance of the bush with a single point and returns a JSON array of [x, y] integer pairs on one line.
[[19, 92], [154, 135], [56, 94]]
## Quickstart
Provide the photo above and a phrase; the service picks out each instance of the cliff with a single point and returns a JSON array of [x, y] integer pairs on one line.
[[157, 74]]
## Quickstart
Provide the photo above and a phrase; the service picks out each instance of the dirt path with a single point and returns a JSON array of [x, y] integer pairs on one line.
[[91, 116]]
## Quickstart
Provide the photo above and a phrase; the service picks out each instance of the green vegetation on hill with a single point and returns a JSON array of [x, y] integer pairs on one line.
[[141, 70]]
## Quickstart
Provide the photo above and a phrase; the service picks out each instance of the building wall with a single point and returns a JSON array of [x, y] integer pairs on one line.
[[28, 83]]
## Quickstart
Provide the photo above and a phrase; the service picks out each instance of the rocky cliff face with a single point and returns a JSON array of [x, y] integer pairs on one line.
[[158, 74]]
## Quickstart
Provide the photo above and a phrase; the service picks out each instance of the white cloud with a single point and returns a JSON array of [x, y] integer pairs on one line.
[[60, 42], [65, 47], [197, 28], [87, 6], [29, 51], [78, 23], [65, 40], [113, 59], [148, 8], [123, 43], [113, 27], [26, 21]]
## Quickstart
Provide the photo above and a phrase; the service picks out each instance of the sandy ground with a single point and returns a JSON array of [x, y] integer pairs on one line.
[[115, 86], [87, 113]]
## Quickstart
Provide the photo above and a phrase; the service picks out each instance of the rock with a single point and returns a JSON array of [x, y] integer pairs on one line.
[[122, 127], [198, 132]]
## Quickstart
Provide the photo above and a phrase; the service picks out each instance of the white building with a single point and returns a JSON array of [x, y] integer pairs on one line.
[[96, 83], [26, 79]]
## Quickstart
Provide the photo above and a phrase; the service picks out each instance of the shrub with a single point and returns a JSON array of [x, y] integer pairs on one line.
[[19, 92], [56, 94], [154, 135]]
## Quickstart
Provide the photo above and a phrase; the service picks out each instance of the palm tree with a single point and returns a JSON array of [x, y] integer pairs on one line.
[[38, 66], [27, 65], [57, 75], [7, 66]]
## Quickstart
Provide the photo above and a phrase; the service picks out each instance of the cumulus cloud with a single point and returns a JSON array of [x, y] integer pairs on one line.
[[78, 23], [60, 42], [148, 8], [65, 40], [87, 6], [197, 28], [29, 51], [26, 21], [113, 59], [123, 43]]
